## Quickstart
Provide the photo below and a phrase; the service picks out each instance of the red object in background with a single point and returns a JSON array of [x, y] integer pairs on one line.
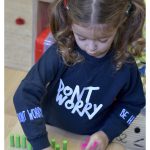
[[42, 43], [20, 21], [39, 44]]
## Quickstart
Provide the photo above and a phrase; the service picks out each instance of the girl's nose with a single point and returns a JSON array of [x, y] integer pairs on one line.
[[91, 46]]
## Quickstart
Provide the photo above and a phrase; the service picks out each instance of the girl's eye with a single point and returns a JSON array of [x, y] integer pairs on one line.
[[82, 38], [103, 41]]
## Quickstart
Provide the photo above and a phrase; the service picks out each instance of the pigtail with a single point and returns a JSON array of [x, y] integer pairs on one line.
[[58, 17], [129, 39], [137, 40], [60, 24]]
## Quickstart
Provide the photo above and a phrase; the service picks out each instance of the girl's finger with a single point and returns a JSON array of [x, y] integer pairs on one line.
[[89, 145], [94, 146], [98, 147]]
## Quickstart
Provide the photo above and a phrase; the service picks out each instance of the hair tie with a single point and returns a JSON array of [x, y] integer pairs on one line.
[[66, 5]]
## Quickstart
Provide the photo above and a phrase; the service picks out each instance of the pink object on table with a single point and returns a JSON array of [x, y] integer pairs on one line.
[[85, 143]]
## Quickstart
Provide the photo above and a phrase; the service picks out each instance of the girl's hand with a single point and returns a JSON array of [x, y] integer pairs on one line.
[[97, 141]]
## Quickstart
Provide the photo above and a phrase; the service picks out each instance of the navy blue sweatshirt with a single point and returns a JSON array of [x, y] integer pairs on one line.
[[89, 96]]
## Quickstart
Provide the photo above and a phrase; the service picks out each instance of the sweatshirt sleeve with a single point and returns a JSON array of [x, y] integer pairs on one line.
[[127, 106], [29, 94]]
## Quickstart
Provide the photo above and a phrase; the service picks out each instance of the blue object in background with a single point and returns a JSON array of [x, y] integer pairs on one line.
[[142, 70]]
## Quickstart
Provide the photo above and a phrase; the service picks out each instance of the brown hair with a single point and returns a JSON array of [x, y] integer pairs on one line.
[[127, 15]]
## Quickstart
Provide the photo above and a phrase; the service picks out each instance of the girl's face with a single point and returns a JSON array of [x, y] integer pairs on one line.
[[94, 40]]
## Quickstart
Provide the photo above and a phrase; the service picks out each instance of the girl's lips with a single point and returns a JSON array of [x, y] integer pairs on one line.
[[91, 53]]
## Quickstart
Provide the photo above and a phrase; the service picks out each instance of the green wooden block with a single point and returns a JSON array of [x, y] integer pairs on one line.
[[23, 145], [17, 141], [65, 142], [57, 147], [53, 143], [12, 142], [29, 146]]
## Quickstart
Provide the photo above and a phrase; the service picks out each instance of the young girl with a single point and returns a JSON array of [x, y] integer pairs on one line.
[[87, 82]]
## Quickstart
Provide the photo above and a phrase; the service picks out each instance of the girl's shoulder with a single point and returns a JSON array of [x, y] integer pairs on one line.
[[53, 52], [52, 49], [130, 65], [130, 61]]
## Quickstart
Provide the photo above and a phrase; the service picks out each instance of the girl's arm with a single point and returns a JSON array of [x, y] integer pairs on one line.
[[28, 97], [130, 101]]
